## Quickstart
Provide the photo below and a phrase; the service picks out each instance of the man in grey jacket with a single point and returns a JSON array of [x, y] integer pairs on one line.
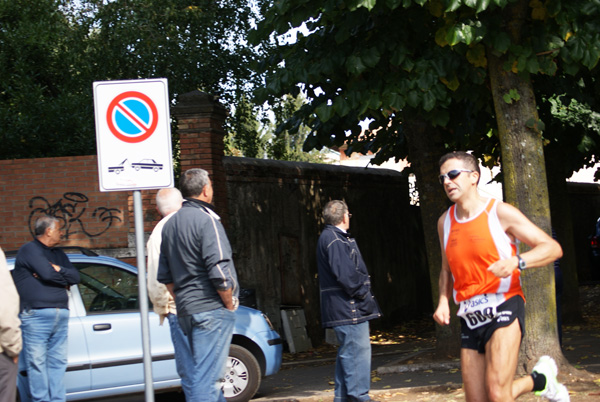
[[10, 333], [196, 266]]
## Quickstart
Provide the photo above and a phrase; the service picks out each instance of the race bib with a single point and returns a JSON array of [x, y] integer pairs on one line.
[[480, 310]]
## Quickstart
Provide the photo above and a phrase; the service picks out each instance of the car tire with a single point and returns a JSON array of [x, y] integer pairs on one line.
[[242, 375]]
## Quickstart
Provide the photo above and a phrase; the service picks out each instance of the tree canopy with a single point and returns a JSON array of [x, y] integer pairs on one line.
[[53, 50], [386, 59]]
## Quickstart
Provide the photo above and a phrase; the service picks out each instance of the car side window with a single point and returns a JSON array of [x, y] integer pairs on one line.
[[105, 288]]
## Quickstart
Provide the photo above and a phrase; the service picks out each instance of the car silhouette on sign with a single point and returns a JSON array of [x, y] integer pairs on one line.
[[147, 164], [118, 168]]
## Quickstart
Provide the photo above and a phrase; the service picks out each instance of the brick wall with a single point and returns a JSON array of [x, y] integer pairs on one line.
[[67, 188]]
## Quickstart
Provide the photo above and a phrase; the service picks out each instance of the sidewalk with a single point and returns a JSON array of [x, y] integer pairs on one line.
[[402, 368]]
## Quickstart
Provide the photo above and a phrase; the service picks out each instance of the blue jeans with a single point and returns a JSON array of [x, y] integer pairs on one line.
[[209, 334], [353, 363], [183, 354], [44, 354]]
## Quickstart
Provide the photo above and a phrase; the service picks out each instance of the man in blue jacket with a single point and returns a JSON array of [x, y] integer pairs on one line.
[[42, 275], [347, 303]]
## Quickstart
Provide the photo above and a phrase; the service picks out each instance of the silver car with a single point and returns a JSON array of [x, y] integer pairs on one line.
[[105, 347]]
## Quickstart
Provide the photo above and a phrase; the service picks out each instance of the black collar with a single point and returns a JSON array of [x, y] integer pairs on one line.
[[201, 203]]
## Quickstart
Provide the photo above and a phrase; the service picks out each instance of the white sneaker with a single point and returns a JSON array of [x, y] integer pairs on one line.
[[554, 391]]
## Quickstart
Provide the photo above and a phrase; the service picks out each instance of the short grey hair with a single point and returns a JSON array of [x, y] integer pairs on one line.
[[168, 200], [334, 211], [42, 223], [193, 181]]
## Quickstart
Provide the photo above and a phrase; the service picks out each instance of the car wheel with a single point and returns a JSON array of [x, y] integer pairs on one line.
[[242, 375]]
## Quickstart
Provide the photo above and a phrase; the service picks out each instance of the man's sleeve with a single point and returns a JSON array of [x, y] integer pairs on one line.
[[216, 251], [10, 325], [69, 272], [164, 273], [354, 283]]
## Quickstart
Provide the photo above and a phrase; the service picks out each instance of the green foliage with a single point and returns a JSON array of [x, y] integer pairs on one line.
[[392, 60], [244, 135], [53, 50], [571, 109], [41, 86], [288, 144], [377, 64], [512, 95]]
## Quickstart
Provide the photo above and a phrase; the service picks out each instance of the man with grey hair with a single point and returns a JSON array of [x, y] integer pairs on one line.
[[347, 304], [168, 201], [197, 267], [10, 333], [42, 275]]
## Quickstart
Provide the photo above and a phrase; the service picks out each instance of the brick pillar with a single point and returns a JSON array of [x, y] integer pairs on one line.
[[200, 121]]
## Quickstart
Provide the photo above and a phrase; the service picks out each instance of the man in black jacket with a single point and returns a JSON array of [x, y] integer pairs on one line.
[[196, 265], [42, 275], [347, 304]]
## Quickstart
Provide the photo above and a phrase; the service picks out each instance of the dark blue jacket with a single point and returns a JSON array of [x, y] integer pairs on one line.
[[344, 282], [38, 284]]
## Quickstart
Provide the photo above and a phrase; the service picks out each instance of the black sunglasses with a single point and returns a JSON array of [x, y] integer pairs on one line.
[[453, 174]]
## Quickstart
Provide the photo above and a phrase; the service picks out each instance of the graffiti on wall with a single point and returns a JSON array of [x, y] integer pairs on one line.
[[71, 212]]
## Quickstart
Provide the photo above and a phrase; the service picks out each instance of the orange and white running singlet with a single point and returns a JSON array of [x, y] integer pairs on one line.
[[471, 246]]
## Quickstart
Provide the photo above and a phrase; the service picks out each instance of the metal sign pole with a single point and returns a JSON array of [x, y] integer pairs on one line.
[[143, 293]]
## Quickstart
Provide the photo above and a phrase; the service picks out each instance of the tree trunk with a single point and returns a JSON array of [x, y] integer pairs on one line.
[[425, 148], [526, 188]]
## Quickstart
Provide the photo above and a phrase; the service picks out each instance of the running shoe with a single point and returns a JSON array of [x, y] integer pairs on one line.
[[554, 391]]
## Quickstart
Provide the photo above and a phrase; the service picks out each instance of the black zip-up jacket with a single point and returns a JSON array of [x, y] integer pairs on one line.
[[38, 283], [344, 282], [196, 257]]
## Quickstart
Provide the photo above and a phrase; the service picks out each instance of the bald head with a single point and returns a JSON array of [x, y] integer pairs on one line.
[[168, 200]]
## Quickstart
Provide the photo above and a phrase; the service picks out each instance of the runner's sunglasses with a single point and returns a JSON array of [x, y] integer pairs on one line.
[[453, 174]]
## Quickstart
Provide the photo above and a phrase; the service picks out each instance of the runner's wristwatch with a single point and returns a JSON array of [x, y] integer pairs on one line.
[[522, 263]]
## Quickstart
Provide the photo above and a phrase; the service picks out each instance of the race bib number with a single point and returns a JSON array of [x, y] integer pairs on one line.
[[480, 310]]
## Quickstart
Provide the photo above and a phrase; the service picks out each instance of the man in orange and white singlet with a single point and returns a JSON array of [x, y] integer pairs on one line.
[[481, 270]]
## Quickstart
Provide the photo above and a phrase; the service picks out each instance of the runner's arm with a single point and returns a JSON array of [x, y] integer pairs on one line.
[[544, 249], [442, 313]]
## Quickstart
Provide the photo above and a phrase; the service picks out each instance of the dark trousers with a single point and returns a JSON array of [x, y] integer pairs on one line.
[[8, 379]]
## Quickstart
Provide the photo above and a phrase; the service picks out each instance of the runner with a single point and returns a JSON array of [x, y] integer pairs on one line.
[[481, 269]]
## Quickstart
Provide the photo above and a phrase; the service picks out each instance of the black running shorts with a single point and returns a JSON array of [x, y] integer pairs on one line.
[[506, 313]]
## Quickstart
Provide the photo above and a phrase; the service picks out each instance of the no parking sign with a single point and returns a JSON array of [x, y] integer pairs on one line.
[[133, 134]]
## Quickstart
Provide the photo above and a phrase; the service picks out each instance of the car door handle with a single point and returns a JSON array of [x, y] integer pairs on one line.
[[102, 327]]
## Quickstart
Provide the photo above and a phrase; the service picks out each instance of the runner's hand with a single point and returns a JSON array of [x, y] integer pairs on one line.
[[503, 268], [442, 314]]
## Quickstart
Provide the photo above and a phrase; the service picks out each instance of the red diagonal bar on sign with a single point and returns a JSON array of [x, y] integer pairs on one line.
[[132, 116]]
